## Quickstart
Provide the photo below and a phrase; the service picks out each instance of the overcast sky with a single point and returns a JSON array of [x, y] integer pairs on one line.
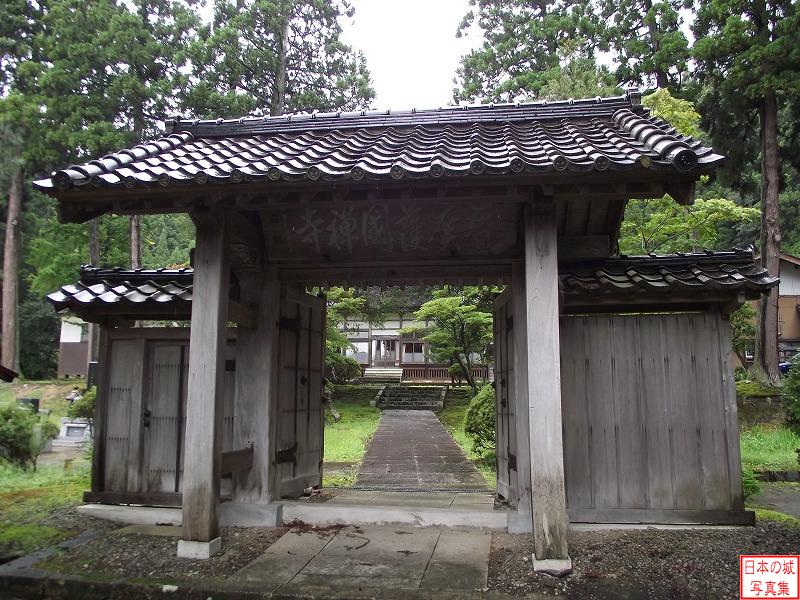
[[411, 49]]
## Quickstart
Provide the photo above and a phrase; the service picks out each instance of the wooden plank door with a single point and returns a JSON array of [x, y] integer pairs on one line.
[[121, 443], [299, 419], [505, 398], [163, 417]]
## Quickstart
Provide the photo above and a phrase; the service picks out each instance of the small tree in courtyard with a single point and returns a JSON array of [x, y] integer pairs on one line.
[[457, 331]]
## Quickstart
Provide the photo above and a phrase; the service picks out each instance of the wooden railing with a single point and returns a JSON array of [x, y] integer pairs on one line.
[[438, 373]]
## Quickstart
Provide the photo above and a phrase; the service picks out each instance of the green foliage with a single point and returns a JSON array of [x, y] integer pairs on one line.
[[743, 327], [452, 416], [23, 436], [665, 226], [791, 396], [39, 328], [750, 484], [479, 422], [679, 113], [166, 240], [577, 75], [346, 440], [84, 407], [744, 49], [457, 330], [235, 59], [769, 447], [342, 369], [751, 386], [647, 41]]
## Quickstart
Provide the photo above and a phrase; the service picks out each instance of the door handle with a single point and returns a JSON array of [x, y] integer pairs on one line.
[[146, 419]]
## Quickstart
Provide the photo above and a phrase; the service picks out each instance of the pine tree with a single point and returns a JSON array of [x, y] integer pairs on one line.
[[521, 46], [748, 54], [275, 56], [647, 42]]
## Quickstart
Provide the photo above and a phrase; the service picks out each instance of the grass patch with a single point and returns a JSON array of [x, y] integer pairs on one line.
[[346, 441], [340, 478], [452, 417], [26, 500], [762, 514], [769, 447], [749, 388]]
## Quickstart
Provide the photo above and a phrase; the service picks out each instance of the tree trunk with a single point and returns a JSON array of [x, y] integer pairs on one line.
[[136, 244], [93, 337], [10, 347], [278, 101], [766, 357]]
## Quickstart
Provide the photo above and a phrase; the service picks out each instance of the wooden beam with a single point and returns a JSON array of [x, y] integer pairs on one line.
[[206, 371], [549, 512], [256, 387], [584, 246], [235, 461]]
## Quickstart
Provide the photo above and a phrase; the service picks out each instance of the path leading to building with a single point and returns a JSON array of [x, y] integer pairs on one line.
[[412, 449], [312, 562]]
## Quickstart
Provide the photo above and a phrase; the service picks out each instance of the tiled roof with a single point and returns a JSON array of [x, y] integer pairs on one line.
[[582, 135], [733, 271], [121, 287], [623, 277]]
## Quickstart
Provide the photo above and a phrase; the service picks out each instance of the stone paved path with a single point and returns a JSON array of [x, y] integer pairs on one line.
[[412, 449], [303, 562], [783, 497]]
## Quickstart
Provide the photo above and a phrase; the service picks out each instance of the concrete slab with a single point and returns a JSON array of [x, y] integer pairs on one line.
[[459, 562], [328, 514], [137, 515], [284, 559]]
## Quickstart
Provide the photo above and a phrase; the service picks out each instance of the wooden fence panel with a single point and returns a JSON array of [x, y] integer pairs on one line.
[[505, 399], [646, 432]]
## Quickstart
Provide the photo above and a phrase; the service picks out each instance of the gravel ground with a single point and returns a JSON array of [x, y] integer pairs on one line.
[[652, 563], [147, 556]]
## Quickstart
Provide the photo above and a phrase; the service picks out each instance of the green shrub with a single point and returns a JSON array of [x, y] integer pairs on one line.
[[750, 483], [342, 369], [23, 436], [791, 395], [83, 408], [479, 421]]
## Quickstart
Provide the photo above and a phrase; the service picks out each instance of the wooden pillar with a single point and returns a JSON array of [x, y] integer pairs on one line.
[[520, 341], [549, 514], [204, 405], [256, 386], [100, 411]]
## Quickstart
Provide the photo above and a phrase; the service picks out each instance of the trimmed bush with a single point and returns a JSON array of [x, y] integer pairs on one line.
[[83, 408], [342, 369], [479, 421]]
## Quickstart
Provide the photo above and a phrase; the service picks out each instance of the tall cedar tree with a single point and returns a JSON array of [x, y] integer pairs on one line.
[[647, 42], [748, 55], [276, 56], [521, 46]]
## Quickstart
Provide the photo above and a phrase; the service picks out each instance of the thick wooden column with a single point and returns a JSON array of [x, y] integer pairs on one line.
[[201, 470], [256, 386], [548, 508]]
